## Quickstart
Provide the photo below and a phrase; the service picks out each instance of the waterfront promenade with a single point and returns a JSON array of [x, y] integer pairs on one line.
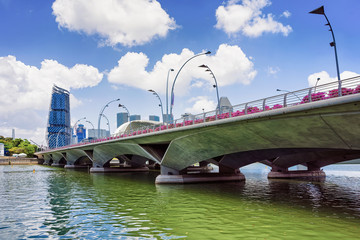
[[18, 161]]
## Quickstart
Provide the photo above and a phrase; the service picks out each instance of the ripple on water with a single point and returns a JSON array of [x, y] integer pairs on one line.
[[76, 205]]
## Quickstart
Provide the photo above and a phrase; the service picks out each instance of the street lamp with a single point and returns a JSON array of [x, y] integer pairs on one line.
[[57, 137], [321, 11], [91, 124], [177, 74], [123, 106], [49, 137], [279, 90], [108, 123], [76, 123], [160, 105], [317, 80], [102, 110], [167, 96], [216, 84]]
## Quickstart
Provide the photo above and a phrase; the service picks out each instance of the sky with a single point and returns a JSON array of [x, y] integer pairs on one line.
[[110, 49]]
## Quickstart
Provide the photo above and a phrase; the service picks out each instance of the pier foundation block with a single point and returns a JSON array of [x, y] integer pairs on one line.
[[300, 174], [171, 176], [117, 169]]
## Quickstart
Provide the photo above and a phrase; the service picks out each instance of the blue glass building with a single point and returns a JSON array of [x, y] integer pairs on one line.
[[80, 133], [59, 129], [121, 118]]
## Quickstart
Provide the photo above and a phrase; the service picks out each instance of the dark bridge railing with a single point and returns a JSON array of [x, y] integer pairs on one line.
[[289, 99]]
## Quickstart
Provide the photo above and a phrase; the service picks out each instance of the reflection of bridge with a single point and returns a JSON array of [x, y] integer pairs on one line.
[[313, 133]]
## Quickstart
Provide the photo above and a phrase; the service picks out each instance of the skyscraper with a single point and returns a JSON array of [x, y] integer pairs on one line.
[[80, 133], [135, 117], [121, 118], [58, 129], [154, 118]]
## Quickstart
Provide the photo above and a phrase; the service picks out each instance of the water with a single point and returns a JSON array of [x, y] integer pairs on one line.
[[66, 204]]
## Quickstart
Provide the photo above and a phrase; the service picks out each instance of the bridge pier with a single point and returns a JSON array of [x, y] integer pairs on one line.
[[72, 166], [311, 174], [172, 176], [117, 169]]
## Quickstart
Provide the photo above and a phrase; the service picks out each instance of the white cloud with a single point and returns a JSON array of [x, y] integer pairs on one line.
[[129, 23], [201, 103], [248, 19], [286, 14], [273, 70], [27, 89], [325, 77], [229, 64]]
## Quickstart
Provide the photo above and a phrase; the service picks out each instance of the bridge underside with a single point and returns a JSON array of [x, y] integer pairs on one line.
[[314, 135]]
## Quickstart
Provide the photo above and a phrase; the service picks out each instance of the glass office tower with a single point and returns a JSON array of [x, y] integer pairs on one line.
[[59, 129]]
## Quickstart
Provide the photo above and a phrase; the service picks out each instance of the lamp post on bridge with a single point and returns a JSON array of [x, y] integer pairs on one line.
[[160, 105], [321, 11], [108, 123], [177, 74], [123, 106], [74, 126], [167, 96], [57, 137], [102, 110], [215, 85], [280, 90]]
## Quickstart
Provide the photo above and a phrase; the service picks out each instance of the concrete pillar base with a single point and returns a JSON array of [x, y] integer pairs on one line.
[[57, 165], [304, 174], [198, 178], [75, 166], [115, 169]]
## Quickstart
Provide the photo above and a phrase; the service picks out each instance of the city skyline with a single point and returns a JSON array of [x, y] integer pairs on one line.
[[257, 46]]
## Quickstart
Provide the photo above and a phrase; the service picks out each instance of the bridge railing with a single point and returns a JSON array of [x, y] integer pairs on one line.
[[289, 99]]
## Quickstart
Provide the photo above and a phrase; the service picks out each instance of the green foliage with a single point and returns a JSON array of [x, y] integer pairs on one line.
[[18, 145]]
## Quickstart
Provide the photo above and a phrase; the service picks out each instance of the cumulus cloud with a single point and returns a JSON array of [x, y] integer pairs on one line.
[[200, 104], [129, 23], [273, 70], [247, 18], [325, 77], [27, 89], [229, 64]]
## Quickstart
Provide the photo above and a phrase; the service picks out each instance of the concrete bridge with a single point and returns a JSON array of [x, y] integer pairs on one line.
[[320, 129]]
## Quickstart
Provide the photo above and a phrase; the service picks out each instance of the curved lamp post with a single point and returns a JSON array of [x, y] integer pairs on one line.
[[167, 96], [216, 84], [279, 90], [123, 106], [160, 105], [102, 110], [57, 137], [321, 11], [91, 124], [177, 74], [52, 135], [108, 123], [76, 123], [317, 80]]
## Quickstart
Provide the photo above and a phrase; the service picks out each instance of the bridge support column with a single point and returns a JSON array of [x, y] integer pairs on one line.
[[311, 173], [172, 176], [72, 166]]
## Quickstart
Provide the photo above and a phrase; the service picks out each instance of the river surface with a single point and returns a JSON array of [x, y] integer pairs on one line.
[[44, 202]]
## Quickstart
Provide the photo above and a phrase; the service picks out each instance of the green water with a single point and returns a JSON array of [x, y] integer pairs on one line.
[[66, 204]]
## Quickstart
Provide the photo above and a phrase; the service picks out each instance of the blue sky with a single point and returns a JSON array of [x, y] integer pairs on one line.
[[103, 50]]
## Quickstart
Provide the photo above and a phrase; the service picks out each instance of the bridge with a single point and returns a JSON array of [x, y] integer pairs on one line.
[[313, 127]]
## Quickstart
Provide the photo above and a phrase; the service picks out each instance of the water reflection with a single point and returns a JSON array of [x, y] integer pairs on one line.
[[73, 204]]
